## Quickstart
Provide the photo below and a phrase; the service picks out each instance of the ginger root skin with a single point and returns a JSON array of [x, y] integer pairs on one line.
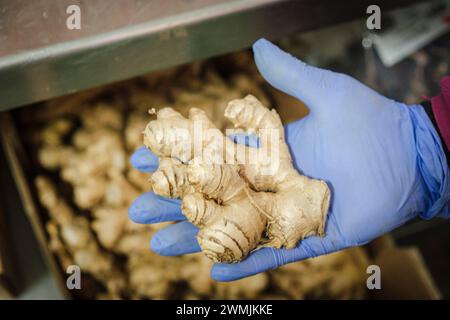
[[238, 205]]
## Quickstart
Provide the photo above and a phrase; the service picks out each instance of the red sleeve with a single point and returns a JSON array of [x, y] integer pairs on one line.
[[441, 110]]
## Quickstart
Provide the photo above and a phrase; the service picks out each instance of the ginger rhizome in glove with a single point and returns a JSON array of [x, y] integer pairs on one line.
[[240, 197]]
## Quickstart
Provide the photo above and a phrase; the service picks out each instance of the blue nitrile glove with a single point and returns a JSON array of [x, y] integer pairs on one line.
[[382, 159]]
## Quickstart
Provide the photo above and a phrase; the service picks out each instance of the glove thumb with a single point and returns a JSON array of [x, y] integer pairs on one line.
[[293, 76]]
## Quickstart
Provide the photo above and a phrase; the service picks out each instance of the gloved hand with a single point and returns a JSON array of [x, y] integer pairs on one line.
[[382, 160]]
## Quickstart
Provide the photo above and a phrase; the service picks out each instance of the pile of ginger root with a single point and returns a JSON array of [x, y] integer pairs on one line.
[[85, 185]]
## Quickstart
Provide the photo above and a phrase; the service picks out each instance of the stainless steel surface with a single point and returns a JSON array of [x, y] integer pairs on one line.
[[26, 25], [119, 39]]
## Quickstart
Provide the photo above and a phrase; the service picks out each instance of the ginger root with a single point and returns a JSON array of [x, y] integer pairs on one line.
[[238, 204]]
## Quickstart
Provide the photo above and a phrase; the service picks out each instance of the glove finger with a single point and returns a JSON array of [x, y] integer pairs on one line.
[[144, 160], [250, 140], [176, 239], [270, 258], [291, 75], [151, 208], [258, 261]]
